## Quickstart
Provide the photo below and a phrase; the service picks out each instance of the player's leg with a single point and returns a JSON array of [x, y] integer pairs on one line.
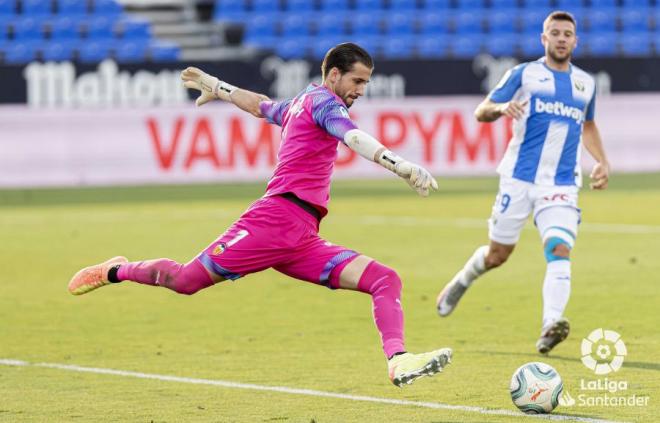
[[558, 229], [253, 243], [384, 285], [336, 267], [510, 211]]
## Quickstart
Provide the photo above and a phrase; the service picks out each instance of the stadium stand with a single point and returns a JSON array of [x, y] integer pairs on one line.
[[84, 30], [407, 28], [162, 30]]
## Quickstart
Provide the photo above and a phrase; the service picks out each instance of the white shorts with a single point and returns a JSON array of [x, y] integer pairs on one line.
[[517, 199]]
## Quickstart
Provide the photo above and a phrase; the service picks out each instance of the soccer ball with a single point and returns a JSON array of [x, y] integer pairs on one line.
[[535, 388]]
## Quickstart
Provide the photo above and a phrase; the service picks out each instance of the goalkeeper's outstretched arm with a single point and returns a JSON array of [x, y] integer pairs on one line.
[[370, 148], [212, 88]]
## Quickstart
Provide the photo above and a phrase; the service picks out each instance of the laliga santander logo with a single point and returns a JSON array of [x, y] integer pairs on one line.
[[608, 349]]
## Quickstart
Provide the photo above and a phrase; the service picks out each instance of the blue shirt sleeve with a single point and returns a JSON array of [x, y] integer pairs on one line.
[[508, 85], [274, 111], [332, 116], [591, 107]]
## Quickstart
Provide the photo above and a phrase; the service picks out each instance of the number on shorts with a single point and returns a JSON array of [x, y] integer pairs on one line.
[[239, 236], [506, 200]]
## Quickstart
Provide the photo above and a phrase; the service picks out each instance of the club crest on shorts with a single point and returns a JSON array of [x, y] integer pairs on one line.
[[219, 249]]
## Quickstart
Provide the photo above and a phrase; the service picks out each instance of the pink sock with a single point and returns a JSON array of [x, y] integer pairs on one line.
[[384, 286], [184, 279]]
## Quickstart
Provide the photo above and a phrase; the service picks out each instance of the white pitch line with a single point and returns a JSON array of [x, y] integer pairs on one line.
[[613, 228], [298, 391]]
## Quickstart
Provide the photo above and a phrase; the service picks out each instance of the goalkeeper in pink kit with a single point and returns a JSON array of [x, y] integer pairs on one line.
[[280, 230]]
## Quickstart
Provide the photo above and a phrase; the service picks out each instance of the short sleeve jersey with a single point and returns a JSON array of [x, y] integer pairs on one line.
[[545, 147]]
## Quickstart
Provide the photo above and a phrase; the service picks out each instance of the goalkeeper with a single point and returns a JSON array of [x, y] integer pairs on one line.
[[280, 230]]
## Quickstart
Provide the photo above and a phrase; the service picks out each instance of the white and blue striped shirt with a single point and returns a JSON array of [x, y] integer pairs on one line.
[[546, 143]]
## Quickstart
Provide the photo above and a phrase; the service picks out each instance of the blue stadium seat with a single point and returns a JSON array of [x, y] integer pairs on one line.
[[331, 24], [261, 40], [437, 5], [504, 4], [531, 20], [334, 5], [164, 51], [656, 18], [366, 23], [635, 19], [403, 5], [370, 5], [291, 48], [501, 44], [371, 43], [656, 42], [398, 47], [28, 28], [106, 7], [537, 4], [230, 10], [430, 47], [296, 6], [71, 7], [531, 47], [21, 52], [602, 20], [131, 51], [59, 50], [468, 22], [400, 23], [261, 25], [7, 7], [64, 28], [503, 20], [470, 4], [320, 46], [466, 45], [37, 7], [434, 23], [134, 29], [265, 6], [603, 3], [96, 50], [568, 4], [636, 3], [99, 27], [637, 44], [602, 44], [295, 24]]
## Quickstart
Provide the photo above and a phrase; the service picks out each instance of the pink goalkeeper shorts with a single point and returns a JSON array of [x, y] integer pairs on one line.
[[275, 232]]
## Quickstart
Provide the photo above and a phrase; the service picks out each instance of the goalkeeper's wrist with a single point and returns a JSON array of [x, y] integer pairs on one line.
[[387, 159], [223, 90]]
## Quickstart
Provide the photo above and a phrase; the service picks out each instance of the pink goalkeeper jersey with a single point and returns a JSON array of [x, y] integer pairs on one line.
[[313, 124]]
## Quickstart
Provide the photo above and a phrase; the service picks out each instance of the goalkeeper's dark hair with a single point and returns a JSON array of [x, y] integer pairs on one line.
[[560, 15], [343, 57]]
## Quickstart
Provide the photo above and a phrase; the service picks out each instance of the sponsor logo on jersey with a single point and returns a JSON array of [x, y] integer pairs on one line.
[[579, 85], [558, 108]]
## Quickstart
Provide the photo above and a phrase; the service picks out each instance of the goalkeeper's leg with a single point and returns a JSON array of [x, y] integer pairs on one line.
[[384, 286], [182, 278]]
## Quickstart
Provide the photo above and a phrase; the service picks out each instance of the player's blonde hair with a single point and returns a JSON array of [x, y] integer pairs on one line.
[[559, 15]]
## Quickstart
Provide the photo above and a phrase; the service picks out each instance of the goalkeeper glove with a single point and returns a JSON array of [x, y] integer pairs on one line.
[[211, 88]]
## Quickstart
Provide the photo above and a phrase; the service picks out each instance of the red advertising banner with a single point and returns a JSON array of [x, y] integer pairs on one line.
[[220, 143]]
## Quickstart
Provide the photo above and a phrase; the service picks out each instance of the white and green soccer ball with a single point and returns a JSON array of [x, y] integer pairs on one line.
[[535, 388]]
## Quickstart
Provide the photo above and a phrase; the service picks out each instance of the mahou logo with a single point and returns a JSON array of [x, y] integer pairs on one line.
[[603, 351]]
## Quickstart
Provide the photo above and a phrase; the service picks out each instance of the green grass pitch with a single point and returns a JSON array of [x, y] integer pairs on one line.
[[269, 330]]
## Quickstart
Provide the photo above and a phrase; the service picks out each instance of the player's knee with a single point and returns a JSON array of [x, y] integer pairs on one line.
[[557, 248], [379, 278], [495, 259], [187, 281]]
